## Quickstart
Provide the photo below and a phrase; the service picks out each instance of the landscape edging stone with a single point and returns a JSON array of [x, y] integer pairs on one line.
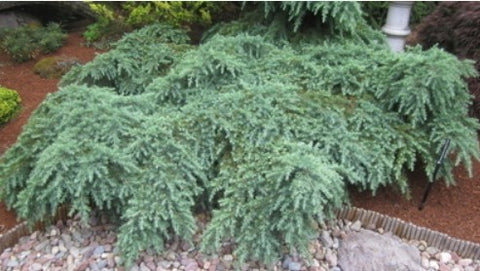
[[370, 219]]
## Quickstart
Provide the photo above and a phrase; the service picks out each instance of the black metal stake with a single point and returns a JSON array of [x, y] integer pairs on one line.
[[443, 153]]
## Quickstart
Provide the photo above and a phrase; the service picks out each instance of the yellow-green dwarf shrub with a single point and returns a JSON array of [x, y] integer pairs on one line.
[[114, 18], [9, 104]]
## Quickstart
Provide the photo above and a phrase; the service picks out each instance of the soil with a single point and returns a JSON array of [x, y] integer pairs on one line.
[[452, 210]]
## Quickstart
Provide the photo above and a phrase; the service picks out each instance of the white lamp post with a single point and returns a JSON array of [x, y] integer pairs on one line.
[[396, 27]]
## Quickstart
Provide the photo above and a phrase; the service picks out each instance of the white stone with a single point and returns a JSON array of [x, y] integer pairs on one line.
[[41, 245], [414, 242], [62, 248], [75, 252], [326, 239], [294, 266], [424, 244], [444, 257], [12, 263], [425, 263], [434, 265], [356, 226], [69, 260], [171, 256], [228, 258], [331, 258], [34, 235], [320, 254], [432, 250], [336, 243], [165, 264], [311, 248], [426, 255], [143, 267], [118, 260], [36, 267], [24, 254], [368, 250], [465, 262]]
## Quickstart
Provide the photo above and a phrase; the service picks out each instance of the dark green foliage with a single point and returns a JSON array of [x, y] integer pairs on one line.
[[420, 10], [339, 17], [265, 134], [9, 104], [25, 43], [298, 21], [103, 32], [376, 12], [110, 23]]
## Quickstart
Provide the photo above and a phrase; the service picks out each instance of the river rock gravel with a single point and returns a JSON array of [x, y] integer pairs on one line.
[[74, 246]]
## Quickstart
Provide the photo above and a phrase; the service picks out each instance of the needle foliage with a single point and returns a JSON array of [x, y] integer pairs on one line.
[[263, 133]]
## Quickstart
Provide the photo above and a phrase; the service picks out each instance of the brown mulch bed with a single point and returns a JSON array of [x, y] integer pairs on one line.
[[32, 89], [453, 210]]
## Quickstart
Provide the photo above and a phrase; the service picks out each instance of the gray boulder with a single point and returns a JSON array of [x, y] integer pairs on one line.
[[366, 250], [13, 19]]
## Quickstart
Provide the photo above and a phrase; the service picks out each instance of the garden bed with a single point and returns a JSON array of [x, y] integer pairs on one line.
[[444, 211]]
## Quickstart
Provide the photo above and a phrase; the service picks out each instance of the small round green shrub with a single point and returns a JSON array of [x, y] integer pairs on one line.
[[54, 67], [27, 42], [9, 104]]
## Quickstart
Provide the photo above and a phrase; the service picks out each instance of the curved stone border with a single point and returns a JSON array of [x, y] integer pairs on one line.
[[11, 237], [370, 219], [409, 231]]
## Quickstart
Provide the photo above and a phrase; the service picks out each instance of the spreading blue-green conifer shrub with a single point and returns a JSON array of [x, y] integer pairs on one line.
[[262, 131]]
